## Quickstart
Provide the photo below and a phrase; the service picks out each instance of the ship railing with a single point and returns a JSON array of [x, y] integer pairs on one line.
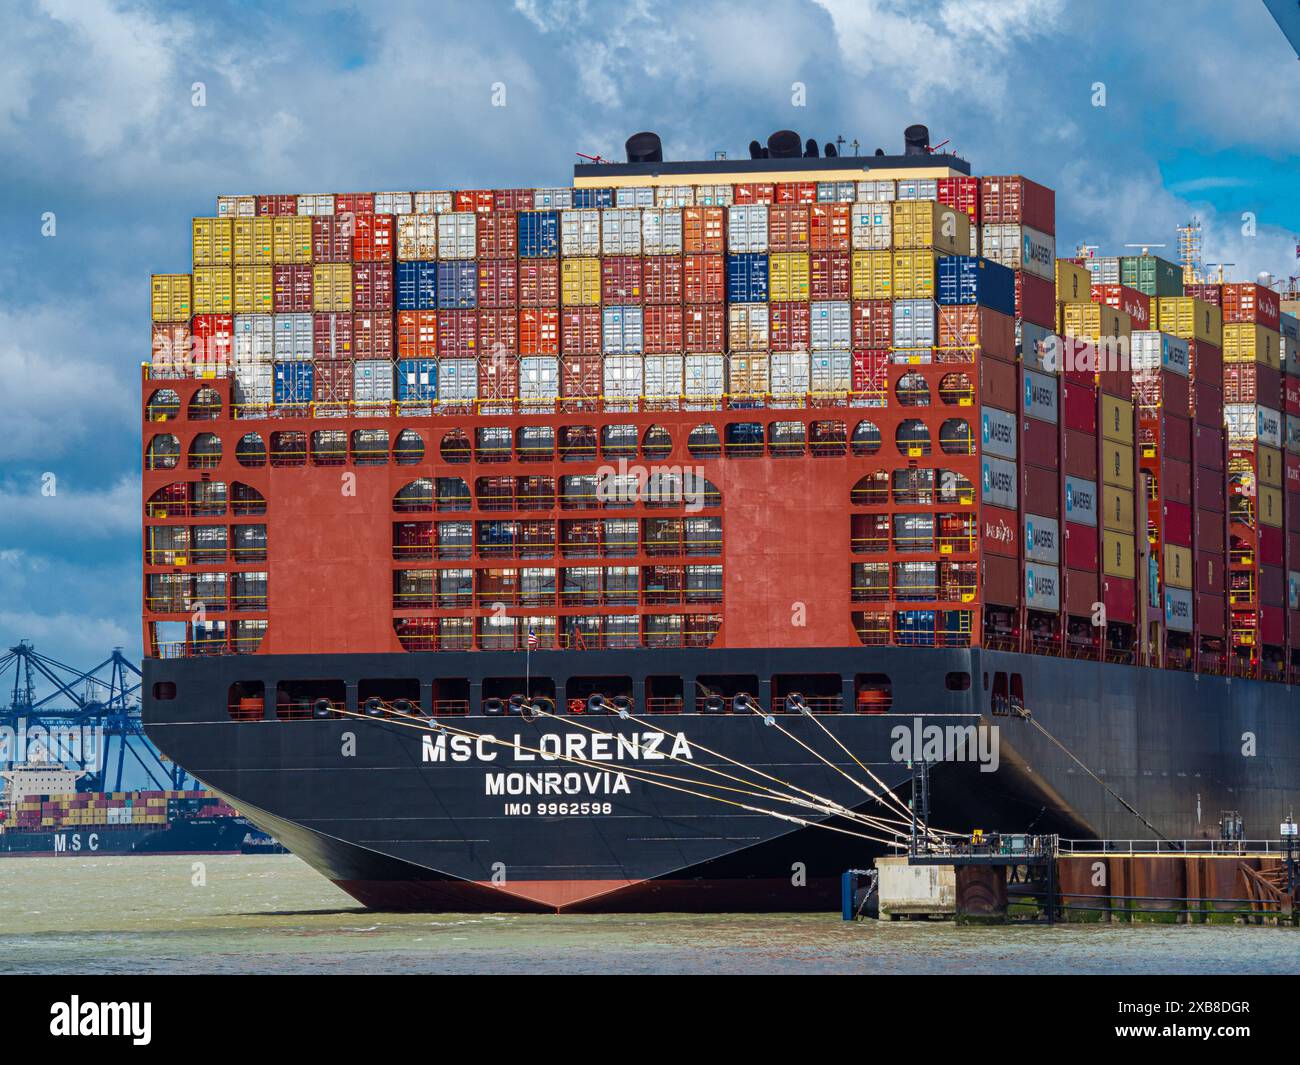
[[1088, 847], [1121, 655]]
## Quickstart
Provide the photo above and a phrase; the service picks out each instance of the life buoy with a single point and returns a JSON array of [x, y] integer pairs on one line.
[[577, 706]]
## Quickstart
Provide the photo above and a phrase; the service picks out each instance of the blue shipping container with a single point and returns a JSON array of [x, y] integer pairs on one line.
[[293, 382], [417, 286], [593, 197], [417, 379], [539, 234], [457, 285], [747, 278], [964, 279]]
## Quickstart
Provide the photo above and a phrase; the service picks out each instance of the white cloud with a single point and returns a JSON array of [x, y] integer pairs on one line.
[[73, 512]]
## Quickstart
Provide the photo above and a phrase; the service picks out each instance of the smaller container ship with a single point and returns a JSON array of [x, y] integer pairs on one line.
[[43, 813]]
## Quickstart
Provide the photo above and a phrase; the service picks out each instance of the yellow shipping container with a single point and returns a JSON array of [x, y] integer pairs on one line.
[[914, 275], [1117, 464], [788, 277], [873, 275], [254, 292], [1189, 318], [1247, 342], [254, 241], [580, 282], [927, 224], [1118, 554], [1093, 321], [172, 297], [1268, 465], [1270, 506], [291, 239], [1116, 419], [331, 287], [212, 240], [1178, 567], [214, 290], [1073, 282], [1117, 509]]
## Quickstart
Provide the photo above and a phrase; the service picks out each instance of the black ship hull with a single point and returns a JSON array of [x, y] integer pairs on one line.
[[403, 818], [199, 835]]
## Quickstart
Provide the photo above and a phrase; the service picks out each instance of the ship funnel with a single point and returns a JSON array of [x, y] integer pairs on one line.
[[755, 150], [785, 144], [810, 149], [916, 140], [645, 148]]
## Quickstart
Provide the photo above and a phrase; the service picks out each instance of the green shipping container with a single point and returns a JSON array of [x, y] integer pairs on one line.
[[1151, 274]]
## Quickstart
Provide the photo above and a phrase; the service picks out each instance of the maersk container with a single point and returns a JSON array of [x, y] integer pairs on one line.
[[831, 371], [1042, 587], [293, 337], [254, 384], [457, 285], [539, 234], [998, 481], [372, 381], [622, 330], [1042, 539], [789, 373], [579, 233], [254, 338], [1081, 501], [1020, 248], [1036, 345], [966, 280], [634, 196], [999, 433], [624, 377], [702, 376], [539, 378], [620, 231], [457, 235], [661, 231], [593, 197], [417, 380], [1178, 609], [914, 324], [293, 382], [1042, 399], [1250, 423], [1152, 350], [747, 275], [747, 229], [417, 285], [831, 325]]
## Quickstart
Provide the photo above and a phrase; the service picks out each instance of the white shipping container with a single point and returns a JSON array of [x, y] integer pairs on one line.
[[789, 372], [293, 341], [458, 379], [702, 376], [1042, 397], [620, 231], [714, 195], [836, 192], [747, 327], [872, 227], [434, 202], [747, 228], [539, 377], [372, 381], [580, 232], [621, 330], [1042, 539], [1293, 434], [675, 196], [661, 231], [393, 203], [1081, 501], [634, 196], [877, 191], [1107, 272], [832, 327], [552, 199], [236, 206], [663, 376], [1042, 587], [254, 338], [998, 481], [417, 237], [747, 375], [457, 235], [624, 377], [918, 189], [316, 203], [1178, 609], [831, 371], [1020, 248], [1249, 423], [914, 324], [254, 384], [999, 432]]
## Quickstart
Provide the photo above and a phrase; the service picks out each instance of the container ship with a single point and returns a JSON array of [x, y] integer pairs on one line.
[[646, 544]]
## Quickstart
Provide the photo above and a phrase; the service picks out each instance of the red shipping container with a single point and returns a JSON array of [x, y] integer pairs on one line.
[[539, 331], [581, 376], [1012, 199], [1248, 382], [332, 381], [964, 327], [171, 344], [372, 286], [1163, 389], [796, 192], [354, 203], [1211, 615], [704, 230], [830, 275], [1035, 300], [331, 336], [1081, 591], [498, 284], [1208, 405], [458, 334], [331, 240], [1175, 480], [1209, 489], [1080, 454], [829, 227], [212, 340], [372, 335], [703, 326], [999, 386], [1176, 524], [754, 192], [1079, 407], [1120, 599], [1291, 395], [1271, 545], [1080, 543], [1272, 624], [1212, 294], [1293, 550], [498, 334], [873, 323], [498, 235], [790, 326], [787, 227], [620, 279], [1137, 305], [1292, 480], [1001, 577], [705, 278], [1246, 301], [276, 205], [374, 238], [291, 289], [662, 278], [1272, 587], [417, 334], [1209, 443], [1209, 531], [1041, 490], [1205, 363], [479, 200], [962, 193], [1165, 438], [539, 282], [871, 372], [498, 377], [1038, 440], [1209, 573], [662, 328], [580, 331]]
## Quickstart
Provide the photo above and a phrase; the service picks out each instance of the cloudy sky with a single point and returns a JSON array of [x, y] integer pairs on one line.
[[101, 135]]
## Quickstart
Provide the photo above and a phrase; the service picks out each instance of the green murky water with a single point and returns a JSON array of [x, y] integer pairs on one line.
[[272, 914]]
